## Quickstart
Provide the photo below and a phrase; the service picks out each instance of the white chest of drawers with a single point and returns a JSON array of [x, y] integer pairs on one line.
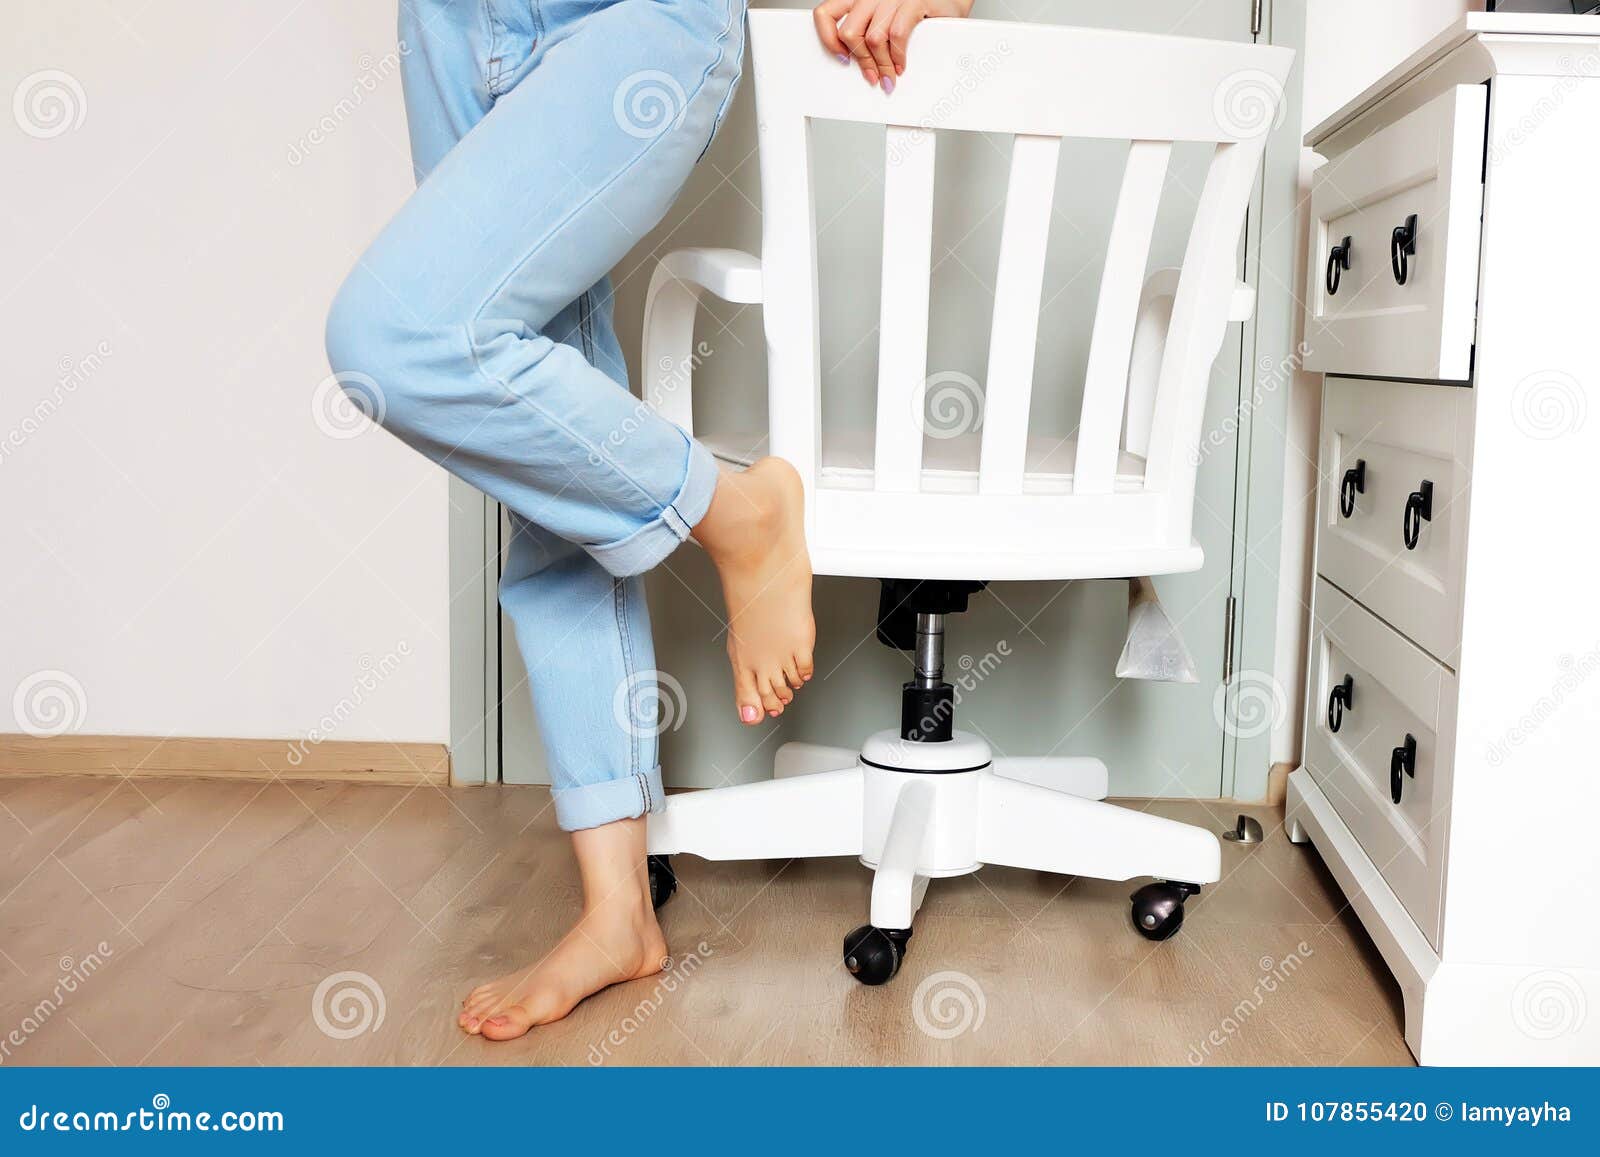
[[1451, 754]]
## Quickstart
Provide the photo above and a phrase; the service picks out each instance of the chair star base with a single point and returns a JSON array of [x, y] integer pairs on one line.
[[913, 812]]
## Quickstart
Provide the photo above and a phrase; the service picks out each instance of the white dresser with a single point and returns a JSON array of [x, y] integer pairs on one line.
[[1451, 754]]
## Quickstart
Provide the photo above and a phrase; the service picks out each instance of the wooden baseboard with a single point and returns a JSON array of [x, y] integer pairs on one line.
[[352, 761]]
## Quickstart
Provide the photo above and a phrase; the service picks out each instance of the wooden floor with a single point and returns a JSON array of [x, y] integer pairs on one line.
[[193, 922]]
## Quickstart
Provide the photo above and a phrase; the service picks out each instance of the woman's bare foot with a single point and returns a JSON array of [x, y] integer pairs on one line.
[[754, 532], [616, 939], [605, 948]]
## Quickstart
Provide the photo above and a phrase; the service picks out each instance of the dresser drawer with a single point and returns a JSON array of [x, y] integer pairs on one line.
[[1392, 508], [1405, 203], [1380, 715]]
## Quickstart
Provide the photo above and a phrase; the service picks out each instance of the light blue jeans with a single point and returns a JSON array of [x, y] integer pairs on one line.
[[548, 136]]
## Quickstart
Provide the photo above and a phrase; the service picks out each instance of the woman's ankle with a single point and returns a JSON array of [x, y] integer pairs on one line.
[[745, 508]]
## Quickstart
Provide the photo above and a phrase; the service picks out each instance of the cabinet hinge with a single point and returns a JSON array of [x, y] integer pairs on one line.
[[1255, 17], [1227, 641]]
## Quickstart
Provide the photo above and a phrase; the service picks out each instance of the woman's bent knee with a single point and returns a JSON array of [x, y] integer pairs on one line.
[[367, 346], [356, 327]]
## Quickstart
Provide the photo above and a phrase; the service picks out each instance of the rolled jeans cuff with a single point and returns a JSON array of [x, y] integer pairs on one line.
[[646, 547], [591, 805]]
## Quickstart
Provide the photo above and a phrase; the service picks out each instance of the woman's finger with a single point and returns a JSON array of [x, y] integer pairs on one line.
[[826, 17], [900, 28], [877, 39], [852, 28]]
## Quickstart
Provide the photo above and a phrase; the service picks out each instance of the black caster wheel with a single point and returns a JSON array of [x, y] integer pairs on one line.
[[663, 881], [873, 955], [1158, 908]]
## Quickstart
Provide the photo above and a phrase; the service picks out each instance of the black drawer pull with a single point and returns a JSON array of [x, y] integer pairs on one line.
[[1403, 244], [1339, 702], [1338, 258], [1419, 509], [1355, 482], [1404, 760]]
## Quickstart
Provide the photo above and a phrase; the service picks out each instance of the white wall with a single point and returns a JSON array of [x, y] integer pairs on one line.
[[181, 537], [1349, 45]]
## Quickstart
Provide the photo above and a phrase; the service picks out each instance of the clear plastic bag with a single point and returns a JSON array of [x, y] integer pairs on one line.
[[1154, 650]]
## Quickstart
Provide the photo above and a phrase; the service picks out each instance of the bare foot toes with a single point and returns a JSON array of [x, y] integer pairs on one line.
[[755, 535]]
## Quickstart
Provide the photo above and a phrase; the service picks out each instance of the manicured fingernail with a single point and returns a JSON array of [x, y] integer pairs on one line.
[[888, 85], [749, 714], [842, 59]]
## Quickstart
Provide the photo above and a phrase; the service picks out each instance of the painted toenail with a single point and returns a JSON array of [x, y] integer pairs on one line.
[[748, 713]]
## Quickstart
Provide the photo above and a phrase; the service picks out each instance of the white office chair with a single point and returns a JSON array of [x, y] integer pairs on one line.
[[924, 800]]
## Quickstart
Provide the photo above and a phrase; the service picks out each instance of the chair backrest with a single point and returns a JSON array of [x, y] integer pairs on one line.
[[1041, 84]]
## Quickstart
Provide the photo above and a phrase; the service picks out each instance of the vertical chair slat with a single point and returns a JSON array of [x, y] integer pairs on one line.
[[1199, 319], [1019, 279], [1106, 380], [903, 313], [789, 278]]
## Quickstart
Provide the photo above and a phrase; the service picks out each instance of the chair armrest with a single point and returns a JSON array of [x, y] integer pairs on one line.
[[1149, 344], [1242, 305], [670, 305], [1144, 360]]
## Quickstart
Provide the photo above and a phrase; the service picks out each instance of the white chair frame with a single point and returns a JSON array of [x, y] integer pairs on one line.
[[1126, 505]]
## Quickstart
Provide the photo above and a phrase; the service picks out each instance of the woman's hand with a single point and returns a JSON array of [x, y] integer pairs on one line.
[[873, 33]]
